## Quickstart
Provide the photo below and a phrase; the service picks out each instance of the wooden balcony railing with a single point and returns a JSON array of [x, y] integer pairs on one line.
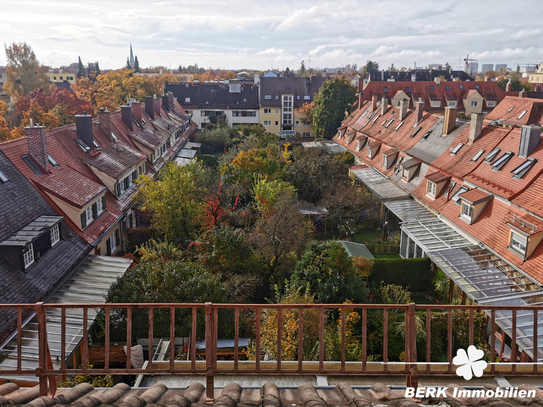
[[520, 324]]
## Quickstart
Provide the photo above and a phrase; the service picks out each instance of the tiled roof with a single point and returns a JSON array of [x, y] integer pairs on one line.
[[437, 177], [429, 90], [475, 196], [389, 152], [211, 96], [299, 87], [71, 186], [20, 205], [511, 108], [116, 160]]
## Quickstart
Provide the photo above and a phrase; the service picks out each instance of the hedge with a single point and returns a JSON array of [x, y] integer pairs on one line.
[[414, 273]]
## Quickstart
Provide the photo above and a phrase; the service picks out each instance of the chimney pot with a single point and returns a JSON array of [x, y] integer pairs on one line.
[[449, 119], [508, 86], [475, 127], [37, 145]]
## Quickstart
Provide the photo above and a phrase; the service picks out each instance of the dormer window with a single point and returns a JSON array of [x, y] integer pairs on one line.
[[467, 211], [409, 169], [431, 189], [436, 103], [28, 255], [55, 235], [518, 243]]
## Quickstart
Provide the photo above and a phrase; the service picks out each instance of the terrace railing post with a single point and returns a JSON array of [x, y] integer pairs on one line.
[[42, 347], [210, 385], [411, 338]]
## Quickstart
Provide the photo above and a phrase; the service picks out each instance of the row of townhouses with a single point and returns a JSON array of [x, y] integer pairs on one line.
[[465, 193], [67, 200]]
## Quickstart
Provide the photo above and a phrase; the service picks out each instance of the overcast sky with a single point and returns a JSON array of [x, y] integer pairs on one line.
[[232, 34]]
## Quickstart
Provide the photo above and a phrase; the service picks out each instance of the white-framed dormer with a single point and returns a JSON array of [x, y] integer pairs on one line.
[[435, 184], [472, 204], [525, 235]]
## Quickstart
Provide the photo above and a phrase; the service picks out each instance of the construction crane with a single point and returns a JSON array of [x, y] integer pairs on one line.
[[467, 60]]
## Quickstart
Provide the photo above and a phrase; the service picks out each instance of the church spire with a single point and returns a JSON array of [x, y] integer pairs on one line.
[[131, 56]]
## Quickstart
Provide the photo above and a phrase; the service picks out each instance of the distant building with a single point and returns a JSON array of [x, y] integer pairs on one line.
[[131, 60], [415, 75], [473, 68], [60, 76], [500, 66], [435, 66], [280, 100], [487, 67], [237, 102], [537, 76]]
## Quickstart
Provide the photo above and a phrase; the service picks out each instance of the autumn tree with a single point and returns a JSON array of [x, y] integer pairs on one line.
[[333, 101], [176, 201], [5, 131], [23, 71], [370, 67], [81, 73]]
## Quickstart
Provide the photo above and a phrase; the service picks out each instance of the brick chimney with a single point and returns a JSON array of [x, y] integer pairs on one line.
[[156, 102], [170, 98], [83, 127], [449, 119], [126, 114], [384, 105], [150, 107], [522, 94], [374, 103], [508, 86], [37, 145], [105, 122], [475, 127], [136, 110], [419, 110], [404, 103], [360, 99]]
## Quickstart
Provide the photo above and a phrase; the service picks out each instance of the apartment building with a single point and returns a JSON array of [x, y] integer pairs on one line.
[[281, 99]]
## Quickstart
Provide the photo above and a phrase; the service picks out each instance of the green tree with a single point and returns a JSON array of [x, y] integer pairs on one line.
[[81, 73], [334, 99], [136, 64], [328, 272], [447, 66], [267, 193], [370, 67], [23, 71], [176, 201], [128, 66]]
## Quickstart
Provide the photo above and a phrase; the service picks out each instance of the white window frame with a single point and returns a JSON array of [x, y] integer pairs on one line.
[[474, 103], [405, 174], [55, 235], [267, 97], [267, 122], [267, 111], [518, 243], [452, 104], [431, 188], [436, 103], [99, 208], [187, 100], [28, 255], [88, 214], [276, 111], [466, 210], [112, 243], [491, 103]]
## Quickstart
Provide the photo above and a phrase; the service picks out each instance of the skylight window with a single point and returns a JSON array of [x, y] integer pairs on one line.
[[447, 87], [115, 138], [478, 155], [376, 117], [427, 134], [52, 161], [31, 164], [460, 85], [450, 189], [408, 89], [477, 86], [521, 115], [382, 124], [82, 145], [365, 113], [523, 168], [431, 87], [389, 123], [500, 162], [385, 90], [415, 132], [457, 148], [492, 155], [3, 177], [511, 108], [398, 126]]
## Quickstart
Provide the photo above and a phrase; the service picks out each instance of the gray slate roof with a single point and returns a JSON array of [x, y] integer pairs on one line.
[[211, 96], [431, 148], [20, 205]]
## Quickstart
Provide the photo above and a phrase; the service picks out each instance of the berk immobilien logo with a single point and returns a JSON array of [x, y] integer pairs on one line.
[[469, 364]]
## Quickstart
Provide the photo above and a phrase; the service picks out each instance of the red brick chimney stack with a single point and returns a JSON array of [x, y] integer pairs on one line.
[[37, 144], [374, 99], [136, 110], [419, 110], [105, 122]]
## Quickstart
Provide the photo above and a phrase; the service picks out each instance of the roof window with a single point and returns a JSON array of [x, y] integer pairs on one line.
[[82, 145], [365, 113], [455, 197], [492, 155], [398, 126], [427, 134], [3, 177], [31, 164], [307, 97], [431, 87], [389, 123], [376, 117], [477, 86], [267, 97], [523, 168], [511, 108], [408, 89], [52, 161], [385, 90], [460, 86], [115, 138], [457, 148], [382, 124], [500, 162], [447, 87], [450, 189], [478, 155], [521, 115], [415, 132]]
